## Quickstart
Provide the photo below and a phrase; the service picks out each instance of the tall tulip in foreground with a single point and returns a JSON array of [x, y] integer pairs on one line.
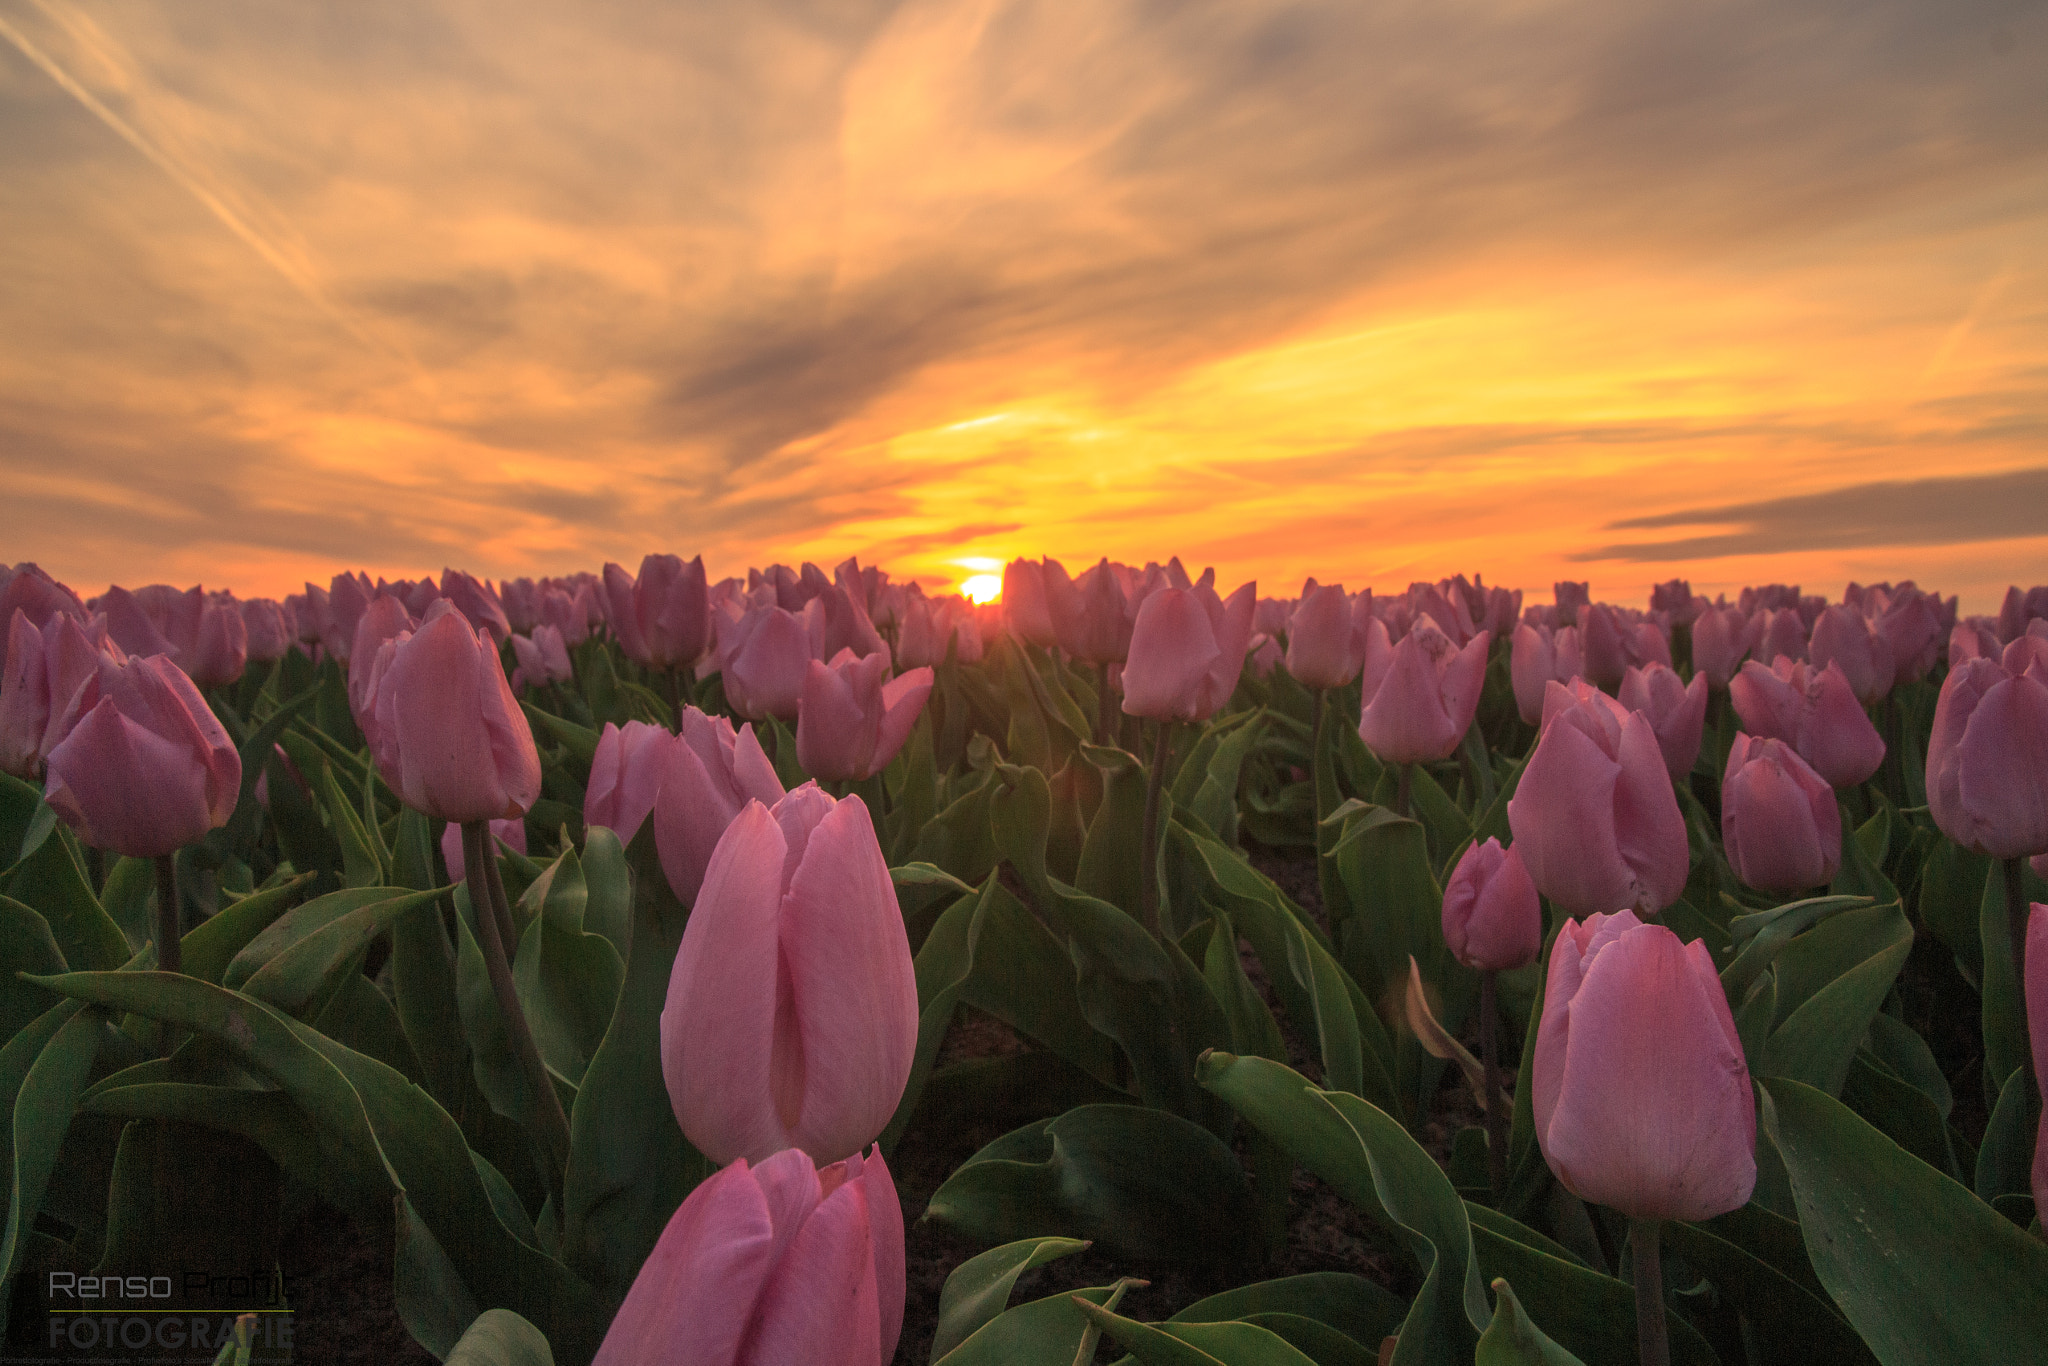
[[792, 1009], [1642, 1099], [1493, 922], [771, 1264], [1594, 815]]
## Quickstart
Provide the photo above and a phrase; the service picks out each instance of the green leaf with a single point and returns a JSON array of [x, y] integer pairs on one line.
[[927, 875], [1047, 1332], [2004, 1162], [608, 880], [304, 975], [1925, 1272], [25, 819], [52, 882], [434, 1302], [213, 943], [26, 945], [1855, 957], [360, 864], [567, 979], [1951, 893], [979, 1288], [499, 1337], [1511, 1339], [42, 1104], [1140, 1182], [1793, 1315], [1109, 868], [1361, 1310], [129, 896], [1196, 1344], [581, 741]]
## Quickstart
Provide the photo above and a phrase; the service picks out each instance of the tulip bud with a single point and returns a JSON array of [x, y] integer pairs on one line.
[[1187, 652], [1910, 622], [1676, 711], [1419, 698], [765, 654], [450, 738], [1492, 918], [269, 633], [1600, 640], [1812, 710], [1594, 816], [771, 1264], [1024, 606], [24, 699], [1642, 1098], [474, 599], [1721, 636], [1842, 637], [1325, 639], [511, 832], [1987, 759], [344, 602], [2019, 609], [704, 776], [625, 776], [662, 618], [28, 589], [1778, 818], [1092, 614], [851, 722], [792, 1008], [1780, 632], [1540, 656], [146, 767], [542, 659]]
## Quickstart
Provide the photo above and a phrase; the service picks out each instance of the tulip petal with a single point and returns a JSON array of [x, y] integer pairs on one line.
[[885, 1229], [903, 699], [125, 788], [1172, 647], [752, 770], [820, 1306], [2002, 768], [1563, 819], [1649, 830]]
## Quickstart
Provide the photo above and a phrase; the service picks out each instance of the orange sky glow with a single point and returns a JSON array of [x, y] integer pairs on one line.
[[1722, 291]]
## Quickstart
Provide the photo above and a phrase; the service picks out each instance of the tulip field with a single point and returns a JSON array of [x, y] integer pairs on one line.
[[801, 968]]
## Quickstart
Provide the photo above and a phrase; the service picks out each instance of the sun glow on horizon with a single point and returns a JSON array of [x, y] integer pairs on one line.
[[982, 588]]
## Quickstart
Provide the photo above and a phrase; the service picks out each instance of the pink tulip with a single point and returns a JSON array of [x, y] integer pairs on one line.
[[542, 659], [1539, 657], [451, 740], [569, 613], [851, 722], [2036, 986], [473, 598], [1492, 918], [835, 620], [929, 627], [1910, 622], [269, 633], [24, 699], [28, 589], [1419, 698], [1024, 603], [792, 1010], [1326, 637], [1600, 640], [512, 833], [344, 601], [71, 657], [1782, 632], [626, 774], [1677, 711], [1721, 636], [1814, 711], [705, 775], [1843, 637], [662, 617], [1778, 818], [1973, 639], [1642, 1098], [385, 618], [1264, 655], [1187, 652], [1092, 614], [766, 654], [2019, 609], [772, 1264], [146, 767], [1987, 759], [204, 636], [1594, 816]]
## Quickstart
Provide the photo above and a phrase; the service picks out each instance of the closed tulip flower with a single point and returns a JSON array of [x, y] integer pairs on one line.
[[772, 1263], [145, 768], [1721, 636], [1781, 632], [792, 1009], [1843, 637], [1642, 1098], [1601, 640], [1419, 698], [512, 833], [1493, 920], [1594, 816], [24, 699], [704, 775], [451, 740], [1326, 638], [1778, 818], [1975, 638], [626, 776], [1092, 615], [1676, 710], [384, 618], [543, 658], [1987, 759], [267, 630], [475, 600], [1910, 622], [1539, 657], [662, 618], [852, 721], [1187, 652], [1813, 710], [2036, 976], [1024, 606], [28, 589], [766, 654]]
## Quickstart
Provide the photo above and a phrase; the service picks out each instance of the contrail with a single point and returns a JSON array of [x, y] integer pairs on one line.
[[277, 260]]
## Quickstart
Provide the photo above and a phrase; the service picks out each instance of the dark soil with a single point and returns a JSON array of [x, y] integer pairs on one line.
[[338, 1282]]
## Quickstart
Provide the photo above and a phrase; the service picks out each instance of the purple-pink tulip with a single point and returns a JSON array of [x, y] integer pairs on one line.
[[1593, 815], [1910, 622], [1642, 1098], [1987, 760], [512, 833], [1815, 711], [1844, 637], [1493, 920], [771, 1264], [764, 656], [269, 631], [1326, 637], [1601, 642], [704, 776], [1782, 632], [792, 1009], [450, 739], [1092, 615], [1676, 710], [1419, 697], [542, 658], [1539, 657], [1187, 652], [1024, 607], [854, 718], [2036, 989], [661, 618], [1721, 637], [930, 627], [1778, 818], [145, 767], [626, 774]]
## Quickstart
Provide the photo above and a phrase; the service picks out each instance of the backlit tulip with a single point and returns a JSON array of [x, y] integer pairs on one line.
[[1538, 657], [451, 740], [1642, 1098], [1092, 615], [661, 617], [704, 776], [625, 776], [929, 627], [2021, 608], [28, 589], [1778, 818], [1910, 622], [1973, 639], [1326, 638], [343, 602], [792, 1008], [1812, 710], [1419, 698], [1594, 816], [1782, 632], [542, 659], [145, 768], [1843, 637], [852, 721], [24, 699], [509, 832], [1721, 636], [268, 631], [1676, 710], [1601, 643], [837, 621], [773, 1264], [1024, 604], [765, 654], [1492, 918], [1187, 652], [1987, 760]]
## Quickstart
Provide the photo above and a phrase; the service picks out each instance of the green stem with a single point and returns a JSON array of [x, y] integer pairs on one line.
[[1102, 704], [494, 931], [1148, 897], [1496, 1109], [1402, 787], [1653, 1342], [170, 929], [2016, 929]]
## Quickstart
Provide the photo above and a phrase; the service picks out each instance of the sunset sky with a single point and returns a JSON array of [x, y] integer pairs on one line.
[[1739, 290]]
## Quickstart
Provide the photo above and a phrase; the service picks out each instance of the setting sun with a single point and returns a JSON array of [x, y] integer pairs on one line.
[[979, 588]]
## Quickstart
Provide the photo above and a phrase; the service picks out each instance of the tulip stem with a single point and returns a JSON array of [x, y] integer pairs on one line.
[[170, 945], [1102, 704], [1653, 1342], [493, 924], [1496, 1111], [1403, 785], [2016, 929], [1148, 884]]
